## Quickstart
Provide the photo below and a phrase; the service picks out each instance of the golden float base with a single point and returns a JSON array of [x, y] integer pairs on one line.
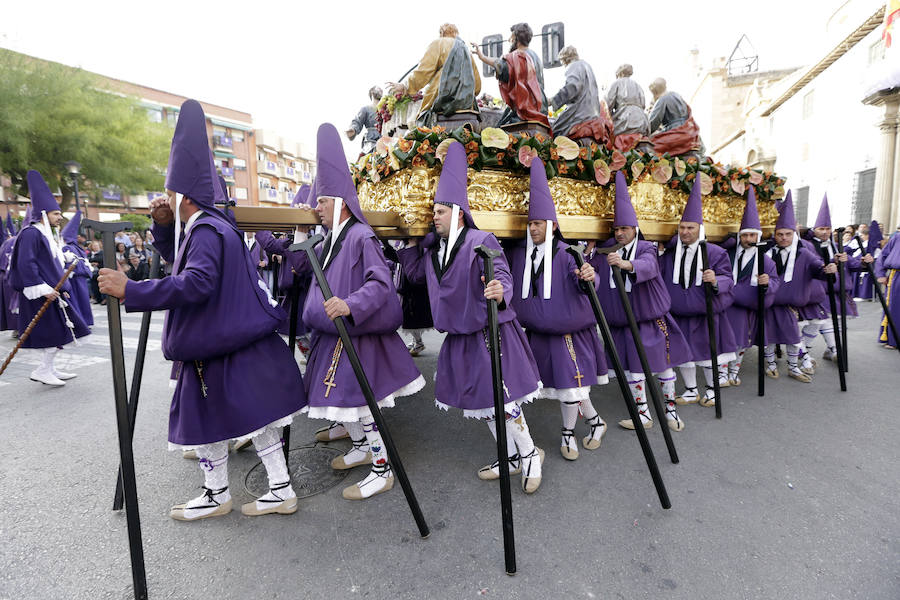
[[401, 206]]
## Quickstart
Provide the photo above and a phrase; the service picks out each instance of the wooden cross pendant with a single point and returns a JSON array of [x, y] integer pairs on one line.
[[328, 386]]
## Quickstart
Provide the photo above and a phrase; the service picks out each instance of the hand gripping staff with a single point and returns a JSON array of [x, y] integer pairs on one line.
[[126, 457], [577, 253], [369, 394]]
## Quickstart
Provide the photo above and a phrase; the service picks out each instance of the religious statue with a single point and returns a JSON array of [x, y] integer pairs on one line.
[[626, 103], [450, 78], [521, 78], [365, 119], [672, 127], [586, 115]]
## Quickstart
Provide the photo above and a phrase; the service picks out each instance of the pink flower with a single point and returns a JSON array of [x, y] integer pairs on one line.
[[526, 155]]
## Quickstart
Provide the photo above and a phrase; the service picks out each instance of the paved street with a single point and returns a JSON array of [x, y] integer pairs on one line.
[[793, 495]]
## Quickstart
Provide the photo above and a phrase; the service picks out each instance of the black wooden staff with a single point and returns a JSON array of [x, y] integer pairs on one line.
[[711, 330], [136, 377], [877, 288], [823, 251], [126, 457], [509, 541], [341, 326], [651, 382], [613, 354], [760, 320], [842, 286], [294, 295]]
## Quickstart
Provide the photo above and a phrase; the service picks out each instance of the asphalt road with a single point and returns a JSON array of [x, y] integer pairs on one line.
[[793, 495]]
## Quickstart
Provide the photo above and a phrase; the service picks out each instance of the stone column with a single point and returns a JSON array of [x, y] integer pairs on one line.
[[887, 175]]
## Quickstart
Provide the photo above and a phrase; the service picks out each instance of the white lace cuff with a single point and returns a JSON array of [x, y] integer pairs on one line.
[[33, 292]]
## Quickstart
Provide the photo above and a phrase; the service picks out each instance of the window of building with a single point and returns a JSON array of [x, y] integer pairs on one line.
[[172, 116], [237, 135], [219, 131], [801, 204], [155, 115], [808, 104], [240, 193], [239, 163], [863, 195]]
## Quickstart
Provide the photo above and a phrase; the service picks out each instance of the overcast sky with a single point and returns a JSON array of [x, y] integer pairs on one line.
[[294, 65]]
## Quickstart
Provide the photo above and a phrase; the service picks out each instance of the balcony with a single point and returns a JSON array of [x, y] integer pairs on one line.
[[288, 196], [268, 195], [267, 167], [305, 176], [227, 173], [223, 142], [289, 173]]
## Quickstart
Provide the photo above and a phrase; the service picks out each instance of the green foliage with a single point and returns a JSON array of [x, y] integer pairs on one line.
[[50, 114], [138, 222]]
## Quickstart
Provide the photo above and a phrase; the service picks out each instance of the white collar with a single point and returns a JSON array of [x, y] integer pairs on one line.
[[335, 234], [681, 248], [190, 222], [741, 257], [545, 249]]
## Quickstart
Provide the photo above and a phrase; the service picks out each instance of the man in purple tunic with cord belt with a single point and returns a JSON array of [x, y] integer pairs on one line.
[[457, 293], [557, 316], [353, 262], [236, 379]]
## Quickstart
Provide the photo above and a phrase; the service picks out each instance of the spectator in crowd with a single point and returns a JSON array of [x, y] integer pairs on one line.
[[95, 257]]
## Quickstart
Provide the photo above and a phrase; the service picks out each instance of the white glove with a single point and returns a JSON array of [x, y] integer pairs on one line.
[[69, 256]]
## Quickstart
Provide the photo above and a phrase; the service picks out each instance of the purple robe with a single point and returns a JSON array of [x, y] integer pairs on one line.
[[661, 336], [80, 280], [458, 307], [853, 265], [286, 274], [220, 326], [802, 295], [9, 299], [689, 305], [547, 322], [888, 265], [780, 323], [32, 263], [358, 274]]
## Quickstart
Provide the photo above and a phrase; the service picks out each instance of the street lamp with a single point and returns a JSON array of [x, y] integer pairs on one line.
[[74, 169]]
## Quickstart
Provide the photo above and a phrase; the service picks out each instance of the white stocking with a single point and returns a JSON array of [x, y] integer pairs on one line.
[[269, 448], [689, 375], [569, 417], [517, 429], [381, 475], [360, 447]]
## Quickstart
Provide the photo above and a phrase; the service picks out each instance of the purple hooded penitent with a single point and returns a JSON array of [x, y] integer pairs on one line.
[[301, 197], [70, 231], [42, 199], [786, 219], [332, 173], [625, 215], [875, 237], [10, 226], [750, 220], [823, 219], [29, 212], [453, 185], [693, 210]]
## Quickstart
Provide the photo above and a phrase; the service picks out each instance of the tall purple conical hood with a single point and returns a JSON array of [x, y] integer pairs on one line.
[[693, 210], [27, 220], [70, 231], [823, 219], [875, 237], [301, 196], [750, 220], [224, 187], [625, 215], [540, 203], [333, 173], [192, 171], [786, 219], [10, 226], [453, 185], [41, 197]]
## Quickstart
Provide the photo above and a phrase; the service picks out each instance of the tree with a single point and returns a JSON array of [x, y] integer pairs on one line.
[[51, 113]]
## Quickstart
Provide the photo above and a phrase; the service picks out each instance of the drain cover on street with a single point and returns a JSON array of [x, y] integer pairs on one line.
[[311, 472]]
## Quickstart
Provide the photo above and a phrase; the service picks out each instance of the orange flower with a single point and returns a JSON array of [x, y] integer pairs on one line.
[[673, 184], [692, 160], [438, 129], [582, 152], [470, 158], [418, 161], [689, 177], [562, 168], [424, 129], [472, 146], [593, 147], [404, 145], [553, 154], [580, 165], [539, 137], [525, 135], [501, 156]]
